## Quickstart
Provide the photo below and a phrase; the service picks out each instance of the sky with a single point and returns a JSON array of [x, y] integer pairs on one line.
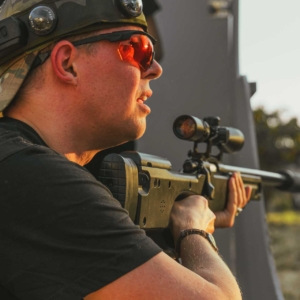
[[269, 49]]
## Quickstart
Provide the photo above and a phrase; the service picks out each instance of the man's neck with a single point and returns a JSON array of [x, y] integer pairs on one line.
[[56, 137], [81, 158]]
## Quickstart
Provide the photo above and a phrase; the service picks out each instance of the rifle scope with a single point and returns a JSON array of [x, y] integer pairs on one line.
[[190, 128]]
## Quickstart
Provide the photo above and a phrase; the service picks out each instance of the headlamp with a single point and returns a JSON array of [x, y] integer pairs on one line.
[[42, 20], [131, 8]]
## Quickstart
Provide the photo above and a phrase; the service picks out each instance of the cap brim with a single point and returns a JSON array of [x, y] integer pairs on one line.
[[12, 76]]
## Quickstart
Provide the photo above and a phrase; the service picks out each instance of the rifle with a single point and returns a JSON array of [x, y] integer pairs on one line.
[[147, 188]]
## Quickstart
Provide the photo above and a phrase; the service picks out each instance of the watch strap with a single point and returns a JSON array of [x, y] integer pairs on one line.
[[186, 232]]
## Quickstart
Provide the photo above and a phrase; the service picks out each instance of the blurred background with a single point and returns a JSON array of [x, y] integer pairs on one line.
[[269, 48], [269, 53]]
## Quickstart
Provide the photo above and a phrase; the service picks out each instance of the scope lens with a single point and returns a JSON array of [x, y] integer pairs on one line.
[[184, 127]]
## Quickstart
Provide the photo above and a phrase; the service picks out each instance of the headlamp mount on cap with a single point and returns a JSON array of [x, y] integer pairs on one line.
[[132, 8], [42, 20], [14, 33], [29, 28]]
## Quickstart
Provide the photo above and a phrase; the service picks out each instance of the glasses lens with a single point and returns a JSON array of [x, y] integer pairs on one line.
[[138, 49]]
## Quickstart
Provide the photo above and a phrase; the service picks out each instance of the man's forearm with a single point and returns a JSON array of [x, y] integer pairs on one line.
[[198, 256]]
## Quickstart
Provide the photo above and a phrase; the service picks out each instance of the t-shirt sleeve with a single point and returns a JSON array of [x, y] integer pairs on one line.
[[150, 6], [63, 234]]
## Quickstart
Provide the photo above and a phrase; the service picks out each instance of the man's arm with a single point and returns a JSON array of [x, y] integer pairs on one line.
[[202, 275], [163, 278]]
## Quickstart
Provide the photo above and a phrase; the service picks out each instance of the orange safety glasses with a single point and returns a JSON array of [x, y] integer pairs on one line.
[[135, 46]]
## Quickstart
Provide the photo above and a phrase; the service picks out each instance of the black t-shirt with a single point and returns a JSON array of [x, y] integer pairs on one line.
[[62, 233]]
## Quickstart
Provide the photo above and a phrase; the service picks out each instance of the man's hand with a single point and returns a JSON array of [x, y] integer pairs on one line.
[[192, 212], [238, 197]]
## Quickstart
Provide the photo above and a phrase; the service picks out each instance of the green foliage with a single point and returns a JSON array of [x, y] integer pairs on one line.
[[277, 201], [278, 141], [284, 242], [284, 218], [278, 148]]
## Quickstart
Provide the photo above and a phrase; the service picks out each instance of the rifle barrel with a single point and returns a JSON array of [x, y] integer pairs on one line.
[[284, 180]]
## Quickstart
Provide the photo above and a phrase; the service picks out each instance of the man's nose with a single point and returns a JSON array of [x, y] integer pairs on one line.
[[153, 72]]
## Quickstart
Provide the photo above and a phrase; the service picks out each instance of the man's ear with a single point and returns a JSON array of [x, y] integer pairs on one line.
[[63, 58]]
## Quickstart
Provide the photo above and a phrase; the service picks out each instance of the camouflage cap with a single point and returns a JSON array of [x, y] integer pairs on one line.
[[23, 34]]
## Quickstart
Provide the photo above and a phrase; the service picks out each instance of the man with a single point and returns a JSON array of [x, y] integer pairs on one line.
[[75, 78], [150, 7]]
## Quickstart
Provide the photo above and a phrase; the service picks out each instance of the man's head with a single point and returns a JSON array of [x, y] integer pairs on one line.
[[102, 87], [28, 26]]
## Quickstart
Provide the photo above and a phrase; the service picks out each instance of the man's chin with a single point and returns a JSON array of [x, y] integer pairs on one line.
[[135, 133], [140, 133]]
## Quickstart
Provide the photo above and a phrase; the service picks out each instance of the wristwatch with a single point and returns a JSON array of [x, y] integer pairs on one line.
[[206, 235]]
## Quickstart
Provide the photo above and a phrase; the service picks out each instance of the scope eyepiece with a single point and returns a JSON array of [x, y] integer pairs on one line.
[[235, 141]]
